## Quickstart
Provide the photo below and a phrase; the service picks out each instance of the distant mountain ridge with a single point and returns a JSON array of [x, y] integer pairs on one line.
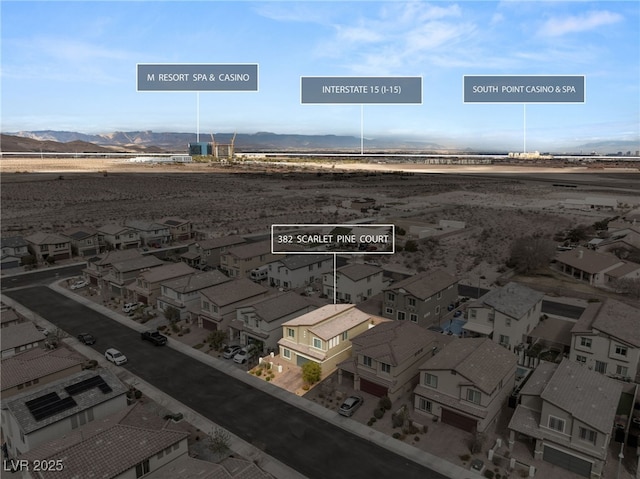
[[178, 142]]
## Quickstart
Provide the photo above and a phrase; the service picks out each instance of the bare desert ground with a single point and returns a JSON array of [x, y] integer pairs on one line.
[[497, 204]]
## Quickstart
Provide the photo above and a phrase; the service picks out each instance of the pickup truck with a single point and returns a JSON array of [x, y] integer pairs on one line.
[[155, 337]]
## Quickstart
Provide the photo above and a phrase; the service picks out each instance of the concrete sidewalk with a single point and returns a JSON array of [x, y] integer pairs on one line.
[[267, 463]]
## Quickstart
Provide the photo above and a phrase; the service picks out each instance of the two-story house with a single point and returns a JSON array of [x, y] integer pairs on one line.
[[466, 384], [84, 240], [238, 261], [422, 298], [260, 322], [385, 359], [218, 303], [298, 270], [146, 287], [119, 237], [568, 411], [323, 335], [130, 443], [151, 233], [606, 339], [38, 416], [124, 273], [99, 266], [37, 367], [206, 253], [354, 283], [507, 314], [183, 293], [13, 249], [179, 228], [48, 246]]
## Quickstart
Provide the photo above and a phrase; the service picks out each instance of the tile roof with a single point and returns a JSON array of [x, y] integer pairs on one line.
[[394, 342], [319, 315], [146, 226], [35, 364], [624, 269], [41, 238], [233, 291], [619, 320], [80, 232], [424, 285], [173, 221], [251, 250], [513, 299], [138, 263], [588, 396], [8, 316], [84, 400], [297, 261], [358, 271], [191, 468], [339, 323], [213, 243], [196, 282], [117, 256], [20, 334], [588, 260], [13, 242], [274, 307], [539, 379], [167, 271], [113, 229], [480, 360]]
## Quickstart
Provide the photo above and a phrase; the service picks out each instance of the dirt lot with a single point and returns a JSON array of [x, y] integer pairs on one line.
[[497, 204]]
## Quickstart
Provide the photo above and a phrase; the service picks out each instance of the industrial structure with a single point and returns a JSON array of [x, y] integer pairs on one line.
[[213, 148]]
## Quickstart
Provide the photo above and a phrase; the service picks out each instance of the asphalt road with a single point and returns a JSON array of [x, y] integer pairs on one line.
[[41, 276], [306, 443]]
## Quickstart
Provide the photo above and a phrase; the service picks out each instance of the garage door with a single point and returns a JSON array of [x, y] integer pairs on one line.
[[373, 388], [458, 420], [567, 461], [300, 360]]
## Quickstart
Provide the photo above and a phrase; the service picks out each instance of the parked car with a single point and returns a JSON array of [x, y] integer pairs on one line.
[[231, 351], [242, 356], [80, 284], [43, 330], [86, 338], [154, 337], [115, 356], [457, 314], [350, 405], [129, 307]]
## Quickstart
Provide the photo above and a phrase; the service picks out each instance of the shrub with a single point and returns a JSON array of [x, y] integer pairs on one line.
[[311, 372], [385, 403], [378, 413], [305, 387], [489, 474], [464, 457], [417, 438], [198, 346], [397, 420], [396, 435], [259, 372], [268, 378]]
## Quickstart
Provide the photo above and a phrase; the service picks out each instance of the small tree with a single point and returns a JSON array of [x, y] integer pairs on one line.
[[219, 441], [531, 253], [217, 339], [172, 314], [311, 372], [411, 246]]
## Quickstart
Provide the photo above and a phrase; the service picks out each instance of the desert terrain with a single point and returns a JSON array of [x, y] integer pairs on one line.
[[497, 204]]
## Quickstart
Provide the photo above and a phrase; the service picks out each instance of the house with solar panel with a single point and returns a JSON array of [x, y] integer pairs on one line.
[[36, 417], [84, 240], [179, 228]]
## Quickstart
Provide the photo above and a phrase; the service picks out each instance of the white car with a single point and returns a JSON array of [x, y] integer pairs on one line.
[[115, 356], [242, 356], [128, 307], [80, 284]]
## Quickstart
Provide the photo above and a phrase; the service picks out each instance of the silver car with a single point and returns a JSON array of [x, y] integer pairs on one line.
[[350, 405]]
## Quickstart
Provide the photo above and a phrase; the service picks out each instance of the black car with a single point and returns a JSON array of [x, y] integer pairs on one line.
[[86, 338]]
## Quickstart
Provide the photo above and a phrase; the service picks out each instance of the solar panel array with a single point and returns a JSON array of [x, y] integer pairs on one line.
[[85, 385], [49, 405]]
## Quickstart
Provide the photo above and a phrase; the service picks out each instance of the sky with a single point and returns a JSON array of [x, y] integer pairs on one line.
[[71, 66]]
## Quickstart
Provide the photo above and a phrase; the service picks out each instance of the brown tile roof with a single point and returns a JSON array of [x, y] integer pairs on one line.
[[167, 272], [35, 364], [394, 342], [41, 238], [250, 250], [214, 243], [480, 360], [588, 260], [20, 334], [8, 316], [337, 324], [138, 263], [614, 318], [588, 396], [274, 307], [539, 379], [196, 282], [424, 285], [233, 291], [358, 271], [117, 256], [626, 268], [188, 467], [513, 299]]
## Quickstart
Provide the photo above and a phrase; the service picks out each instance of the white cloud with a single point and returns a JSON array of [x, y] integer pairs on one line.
[[556, 27]]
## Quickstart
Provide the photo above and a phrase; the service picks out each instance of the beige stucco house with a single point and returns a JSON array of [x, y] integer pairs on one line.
[[354, 283], [238, 261], [466, 384]]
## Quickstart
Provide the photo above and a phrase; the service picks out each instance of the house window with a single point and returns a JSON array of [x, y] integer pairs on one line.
[[585, 342], [385, 368], [205, 305], [621, 350], [391, 297], [389, 311], [413, 317], [345, 335], [581, 359], [291, 333], [431, 380], [437, 309], [366, 360], [601, 367], [556, 424], [333, 342], [472, 313], [424, 405], [588, 435], [473, 396], [142, 468], [507, 322], [411, 301], [317, 343], [439, 295], [286, 353], [622, 371], [401, 316], [347, 297], [369, 292], [504, 340]]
